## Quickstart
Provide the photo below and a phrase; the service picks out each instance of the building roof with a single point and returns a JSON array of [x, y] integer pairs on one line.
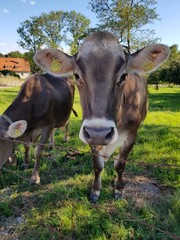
[[14, 64]]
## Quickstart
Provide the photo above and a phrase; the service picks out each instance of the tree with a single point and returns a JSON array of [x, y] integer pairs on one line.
[[32, 39], [175, 54], [31, 34], [169, 72], [52, 30], [29, 56], [77, 26], [127, 19], [52, 26], [38, 32], [173, 73], [15, 54]]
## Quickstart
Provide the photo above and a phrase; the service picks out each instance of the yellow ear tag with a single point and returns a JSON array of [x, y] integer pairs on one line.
[[17, 132], [55, 65], [148, 66]]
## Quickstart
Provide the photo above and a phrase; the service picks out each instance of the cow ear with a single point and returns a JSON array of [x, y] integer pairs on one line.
[[54, 61], [16, 129], [149, 58]]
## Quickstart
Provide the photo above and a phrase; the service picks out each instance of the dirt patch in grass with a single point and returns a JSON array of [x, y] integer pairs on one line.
[[142, 190], [8, 228]]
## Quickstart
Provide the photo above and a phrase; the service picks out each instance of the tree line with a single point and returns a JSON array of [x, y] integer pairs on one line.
[[169, 72], [129, 20]]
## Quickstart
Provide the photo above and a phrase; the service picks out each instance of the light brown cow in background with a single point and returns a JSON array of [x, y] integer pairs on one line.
[[113, 95]]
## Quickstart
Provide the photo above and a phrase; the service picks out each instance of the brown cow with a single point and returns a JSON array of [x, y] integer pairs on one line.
[[113, 95], [35, 136], [43, 103]]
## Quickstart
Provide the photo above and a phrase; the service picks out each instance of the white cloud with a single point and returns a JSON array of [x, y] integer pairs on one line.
[[32, 2], [5, 10], [2, 44], [9, 47]]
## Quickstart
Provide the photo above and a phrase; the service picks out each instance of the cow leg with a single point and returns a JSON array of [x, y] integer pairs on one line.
[[12, 161], [25, 165], [51, 140], [35, 178], [29, 140], [119, 166], [98, 163], [66, 136]]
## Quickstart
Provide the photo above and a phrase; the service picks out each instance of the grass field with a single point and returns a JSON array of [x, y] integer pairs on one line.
[[60, 209]]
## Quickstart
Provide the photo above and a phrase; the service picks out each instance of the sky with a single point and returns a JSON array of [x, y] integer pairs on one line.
[[14, 12]]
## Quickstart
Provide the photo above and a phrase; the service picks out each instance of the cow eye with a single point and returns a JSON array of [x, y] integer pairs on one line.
[[122, 79], [76, 76]]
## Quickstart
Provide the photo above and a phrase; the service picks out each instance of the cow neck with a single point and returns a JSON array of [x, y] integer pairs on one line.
[[7, 119]]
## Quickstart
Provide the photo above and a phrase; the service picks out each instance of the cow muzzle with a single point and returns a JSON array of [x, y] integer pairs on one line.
[[98, 132]]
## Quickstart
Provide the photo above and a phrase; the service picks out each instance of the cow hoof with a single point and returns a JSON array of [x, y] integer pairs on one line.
[[66, 139], [118, 194], [93, 198], [24, 166], [35, 180]]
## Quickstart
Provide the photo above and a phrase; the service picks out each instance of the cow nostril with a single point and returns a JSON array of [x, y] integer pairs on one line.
[[98, 135], [110, 134], [86, 134]]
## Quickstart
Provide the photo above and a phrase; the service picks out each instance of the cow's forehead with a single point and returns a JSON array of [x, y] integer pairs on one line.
[[101, 41]]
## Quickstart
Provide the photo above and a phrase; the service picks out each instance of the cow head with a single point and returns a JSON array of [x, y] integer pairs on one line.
[[14, 130], [101, 68]]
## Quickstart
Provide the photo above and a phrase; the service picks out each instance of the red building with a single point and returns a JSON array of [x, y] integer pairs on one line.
[[17, 65]]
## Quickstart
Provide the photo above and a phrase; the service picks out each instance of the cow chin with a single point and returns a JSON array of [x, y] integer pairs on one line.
[[98, 131]]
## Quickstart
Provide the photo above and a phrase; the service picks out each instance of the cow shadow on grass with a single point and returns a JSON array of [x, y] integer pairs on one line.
[[66, 182], [72, 156], [63, 206], [155, 144], [164, 102]]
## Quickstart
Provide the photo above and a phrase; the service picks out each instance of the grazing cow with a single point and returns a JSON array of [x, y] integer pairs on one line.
[[36, 134], [113, 95], [43, 103]]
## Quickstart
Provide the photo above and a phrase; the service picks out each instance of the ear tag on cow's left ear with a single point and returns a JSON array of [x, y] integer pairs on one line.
[[55, 65]]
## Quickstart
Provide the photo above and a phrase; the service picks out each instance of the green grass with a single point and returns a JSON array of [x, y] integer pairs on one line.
[[7, 95], [59, 208]]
